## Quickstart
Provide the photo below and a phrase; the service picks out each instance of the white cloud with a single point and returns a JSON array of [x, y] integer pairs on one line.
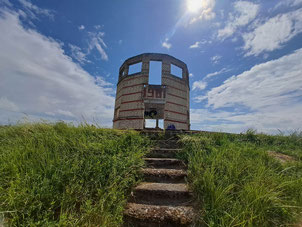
[[244, 13], [215, 59], [267, 97], [166, 44], [98, 27], [81, 27], [223, 70], [206, 11], [200, 98], [195, 45], [191, 75], [198, 43], [273, 33], [6, 3], [289, 3], [32, 9], [78, 54], [266, 84], [39, 79], [97, 42], [6, 104], [199, 85]]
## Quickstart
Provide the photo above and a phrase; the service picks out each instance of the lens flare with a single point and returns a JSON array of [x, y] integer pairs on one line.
[[194, 5]]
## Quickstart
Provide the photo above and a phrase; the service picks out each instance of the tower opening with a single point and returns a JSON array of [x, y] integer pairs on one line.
[[155, 72], [176, 71], [135, 68]]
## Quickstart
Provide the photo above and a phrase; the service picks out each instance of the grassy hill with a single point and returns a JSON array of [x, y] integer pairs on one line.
[[68, 176], [240, 180], [61, 175]]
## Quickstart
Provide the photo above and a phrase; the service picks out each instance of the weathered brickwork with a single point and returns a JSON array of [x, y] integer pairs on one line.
[[136, 100]]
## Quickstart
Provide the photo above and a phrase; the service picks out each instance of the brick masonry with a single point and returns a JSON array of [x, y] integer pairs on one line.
[[134, 96]]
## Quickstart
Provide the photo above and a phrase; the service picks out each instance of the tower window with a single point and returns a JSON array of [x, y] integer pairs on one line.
[[176, 71], [155, 72], [135, 68]]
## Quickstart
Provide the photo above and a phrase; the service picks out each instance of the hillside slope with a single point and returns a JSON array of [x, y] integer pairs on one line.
[[65, 175], [240, 180], [61, 175]]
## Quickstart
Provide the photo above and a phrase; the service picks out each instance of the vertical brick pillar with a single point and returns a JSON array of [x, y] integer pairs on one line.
[[145, 67], [126, 70], [165, 69]]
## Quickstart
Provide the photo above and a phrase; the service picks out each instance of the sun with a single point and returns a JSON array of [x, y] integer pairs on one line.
[[194, 5]]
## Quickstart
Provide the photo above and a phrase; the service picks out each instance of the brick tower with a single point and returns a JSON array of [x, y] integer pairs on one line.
[[137, 100]]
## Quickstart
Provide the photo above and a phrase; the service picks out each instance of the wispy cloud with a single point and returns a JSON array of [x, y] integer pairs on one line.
[[215, 59], [244, 13], [223, 70], [33, 10], [200, 98], [78, 54], [199, 85], [166, 44], [272, 83], [273, 33], [197, 44], [97, 42], [6, 104], [266, 97], [81, 27], [290, 3], [46, 84]]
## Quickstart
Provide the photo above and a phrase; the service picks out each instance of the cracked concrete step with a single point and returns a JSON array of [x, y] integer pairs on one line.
[[165, 163], [163, 153], [161, 194], [164, 175], [141, 215]]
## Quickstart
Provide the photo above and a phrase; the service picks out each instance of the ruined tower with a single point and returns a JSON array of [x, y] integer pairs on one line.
[[137, 100]]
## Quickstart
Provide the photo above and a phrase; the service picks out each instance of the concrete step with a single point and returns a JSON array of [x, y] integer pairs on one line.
[[141, 215], [167, 144], [163, 153], [164, 175], [161, 194], [165, 163]]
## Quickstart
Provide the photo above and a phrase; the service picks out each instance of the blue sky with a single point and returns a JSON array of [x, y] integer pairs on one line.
[[59, 60]]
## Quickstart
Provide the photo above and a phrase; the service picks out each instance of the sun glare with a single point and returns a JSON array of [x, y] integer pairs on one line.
[[194, 5]]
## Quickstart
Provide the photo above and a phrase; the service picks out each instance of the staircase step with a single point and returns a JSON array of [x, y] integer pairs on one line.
[[164, 175], [161, 194], [167, 143], [163, 153], [142, 215], [165, 163]]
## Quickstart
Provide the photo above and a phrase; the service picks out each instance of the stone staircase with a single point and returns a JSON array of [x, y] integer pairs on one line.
[[163, 199]]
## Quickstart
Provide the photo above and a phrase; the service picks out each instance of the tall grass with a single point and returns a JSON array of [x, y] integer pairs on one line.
[[63, 175], [236, 183]]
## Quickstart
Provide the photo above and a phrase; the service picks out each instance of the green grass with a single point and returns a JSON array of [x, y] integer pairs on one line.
[[61, 175], [236, 183]]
